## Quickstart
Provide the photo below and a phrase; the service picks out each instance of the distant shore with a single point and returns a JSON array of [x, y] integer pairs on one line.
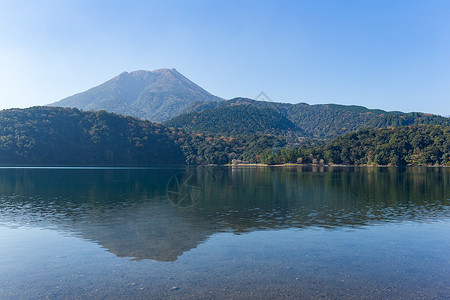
[[331, 165]]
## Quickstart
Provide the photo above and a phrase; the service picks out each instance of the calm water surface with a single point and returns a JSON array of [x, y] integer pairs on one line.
[[292, 232]]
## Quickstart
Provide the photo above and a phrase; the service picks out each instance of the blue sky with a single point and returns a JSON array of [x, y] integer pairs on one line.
[[393, 55]]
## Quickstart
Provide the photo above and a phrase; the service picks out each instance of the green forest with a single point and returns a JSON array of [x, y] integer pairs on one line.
[[418, 145], [64, 136], [51, 136], [242, 116], [67, 136], [235, 120]]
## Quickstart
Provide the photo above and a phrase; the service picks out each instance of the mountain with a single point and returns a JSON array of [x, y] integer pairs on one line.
[[152, 95], [322, 121]]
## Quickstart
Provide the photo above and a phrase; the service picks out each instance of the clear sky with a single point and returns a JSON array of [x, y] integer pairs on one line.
[[393, 55]]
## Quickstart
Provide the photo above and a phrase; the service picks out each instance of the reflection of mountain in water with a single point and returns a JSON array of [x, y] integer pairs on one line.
[[128, 211], [125, 211], [148, 230]]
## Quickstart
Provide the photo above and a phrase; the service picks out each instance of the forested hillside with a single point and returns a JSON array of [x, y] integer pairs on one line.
[[324, 122], [409, 145], [64, 136], [235, 120], [70, 137]]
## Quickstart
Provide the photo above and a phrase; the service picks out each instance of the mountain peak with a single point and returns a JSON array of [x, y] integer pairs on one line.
[[165, 70], [170, 73], [121, 75], [139, 72], [156, 95]]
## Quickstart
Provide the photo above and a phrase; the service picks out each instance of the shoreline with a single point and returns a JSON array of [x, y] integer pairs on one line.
[[332, 165]]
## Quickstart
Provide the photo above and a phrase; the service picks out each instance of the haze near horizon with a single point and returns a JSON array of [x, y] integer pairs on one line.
[[384, 54]]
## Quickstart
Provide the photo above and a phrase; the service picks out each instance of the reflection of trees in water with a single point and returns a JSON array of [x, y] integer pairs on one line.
[[328, 197], [128, 212]]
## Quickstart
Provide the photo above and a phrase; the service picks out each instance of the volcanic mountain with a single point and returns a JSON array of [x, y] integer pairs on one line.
[[152, 95]]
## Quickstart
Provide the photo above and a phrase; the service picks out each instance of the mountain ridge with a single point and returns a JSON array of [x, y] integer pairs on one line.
[[319, 121]]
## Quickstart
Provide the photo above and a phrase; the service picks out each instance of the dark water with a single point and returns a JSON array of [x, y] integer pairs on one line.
[[307, 232]]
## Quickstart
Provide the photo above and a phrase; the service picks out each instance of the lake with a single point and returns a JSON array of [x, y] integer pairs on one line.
[[225, 232]]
